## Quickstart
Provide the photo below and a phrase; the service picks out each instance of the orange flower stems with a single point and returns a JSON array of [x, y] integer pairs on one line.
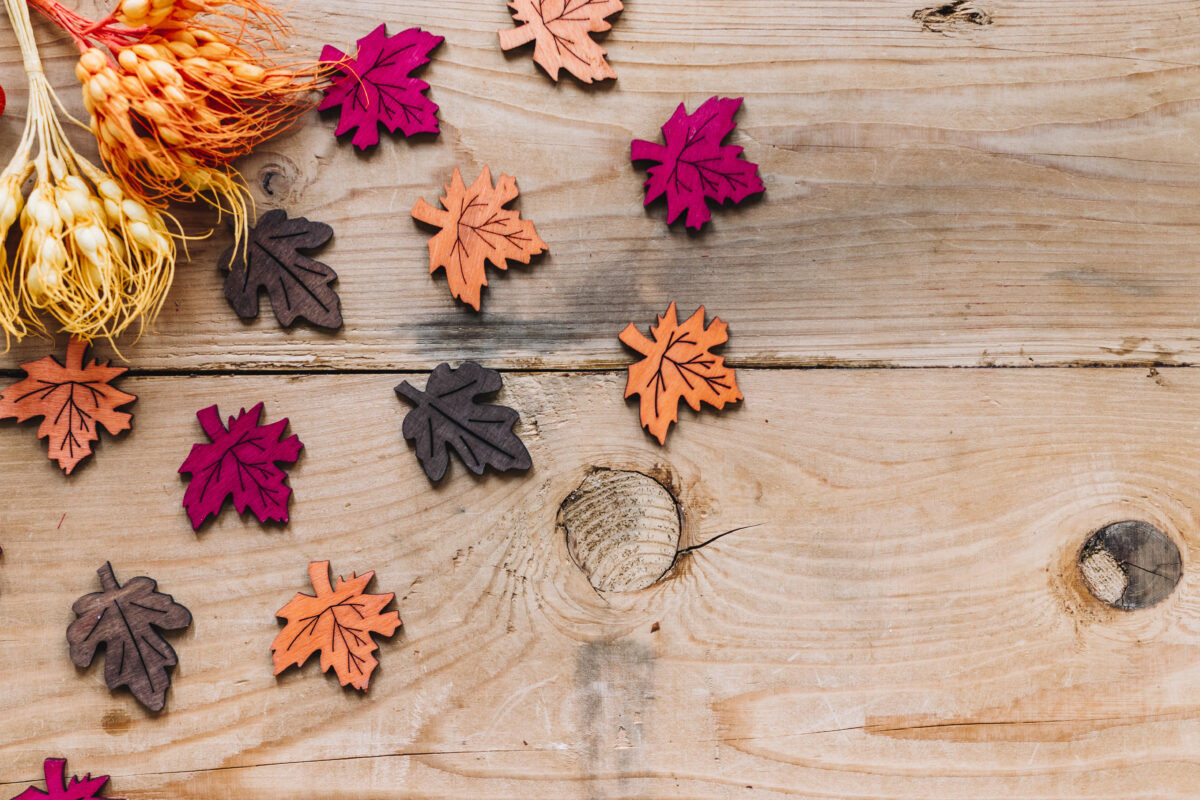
[[173, 99], [82, 30]]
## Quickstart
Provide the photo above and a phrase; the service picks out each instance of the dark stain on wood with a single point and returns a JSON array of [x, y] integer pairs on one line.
[[116, 722], [613, 707]]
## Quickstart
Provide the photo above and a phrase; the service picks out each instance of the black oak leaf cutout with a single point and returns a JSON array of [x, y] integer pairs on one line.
[[127, 620], [297, 285], [446, 415]]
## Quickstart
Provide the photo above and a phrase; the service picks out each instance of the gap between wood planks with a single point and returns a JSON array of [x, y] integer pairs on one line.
[[286, 372]]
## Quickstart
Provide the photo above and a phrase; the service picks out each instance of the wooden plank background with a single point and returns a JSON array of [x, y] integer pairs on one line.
[[903, 618]]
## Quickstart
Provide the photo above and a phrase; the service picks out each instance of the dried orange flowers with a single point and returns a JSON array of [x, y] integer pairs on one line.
[[173, 98], [174, 109]]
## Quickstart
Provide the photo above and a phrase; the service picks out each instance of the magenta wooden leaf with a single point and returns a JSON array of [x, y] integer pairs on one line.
[[240, 463], [58, 788], [375, 86], [694, 165]]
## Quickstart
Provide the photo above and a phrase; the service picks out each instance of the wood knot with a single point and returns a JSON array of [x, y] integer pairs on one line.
[[947, 16], [622, 529], [1130, 565], [280, 180]]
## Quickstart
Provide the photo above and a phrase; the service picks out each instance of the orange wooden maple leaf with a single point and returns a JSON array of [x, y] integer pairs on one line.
[[73, 401], [338, 622], [560, 29], [678, 364], [476, 228]]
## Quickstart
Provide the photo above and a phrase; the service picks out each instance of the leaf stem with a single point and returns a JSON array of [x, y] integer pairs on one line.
[[411, 392], [210, 421], [107, 580], [318, 573]]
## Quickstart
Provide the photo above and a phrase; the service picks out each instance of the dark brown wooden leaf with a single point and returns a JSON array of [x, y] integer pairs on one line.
[[126, 620], [297, 285], [446, 415]]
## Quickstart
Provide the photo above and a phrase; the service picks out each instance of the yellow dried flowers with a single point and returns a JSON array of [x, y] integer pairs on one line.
[[175, 90], [90, 254]]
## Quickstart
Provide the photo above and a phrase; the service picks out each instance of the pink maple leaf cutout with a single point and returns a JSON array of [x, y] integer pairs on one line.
[[240, 462], [57, 787], [375, 87], [694, 165]]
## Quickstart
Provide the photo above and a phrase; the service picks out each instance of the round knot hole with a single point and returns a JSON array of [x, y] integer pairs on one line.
[[1130, 565], [278, 177], [622, 529]]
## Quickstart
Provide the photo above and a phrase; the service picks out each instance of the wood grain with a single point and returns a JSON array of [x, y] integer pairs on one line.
[[875, 592], [1016, 193], [903, 617]]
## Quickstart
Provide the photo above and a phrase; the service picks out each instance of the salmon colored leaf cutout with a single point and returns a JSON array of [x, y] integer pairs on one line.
[[375, 87], [126, 620], [239, 462], [447, 415], [59, 788], [475, 229], [73, 402], [559, 29], [693, 164], [297, 285], [678, 364], [339, 622]]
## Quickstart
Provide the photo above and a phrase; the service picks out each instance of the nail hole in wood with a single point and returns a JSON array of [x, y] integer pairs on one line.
[[1130, 565], [622, 529]]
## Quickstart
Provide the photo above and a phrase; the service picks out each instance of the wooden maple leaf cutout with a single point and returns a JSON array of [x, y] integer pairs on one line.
[[72, 400], [678, 364], [339, 622], [59, 788], [447, 415], [693, 166], [476, 228], [374, 86], [560, 29], [297, 285], [126, 620], [240, 462]]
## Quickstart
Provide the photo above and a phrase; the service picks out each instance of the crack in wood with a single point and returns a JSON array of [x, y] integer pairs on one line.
[[335, 760]]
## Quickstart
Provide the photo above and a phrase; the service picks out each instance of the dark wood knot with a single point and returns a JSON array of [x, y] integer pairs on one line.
[[1130, 565]]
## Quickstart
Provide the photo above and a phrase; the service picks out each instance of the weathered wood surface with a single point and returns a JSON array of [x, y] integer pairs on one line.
[[903, 619], [1017, 192], [892, 609]]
